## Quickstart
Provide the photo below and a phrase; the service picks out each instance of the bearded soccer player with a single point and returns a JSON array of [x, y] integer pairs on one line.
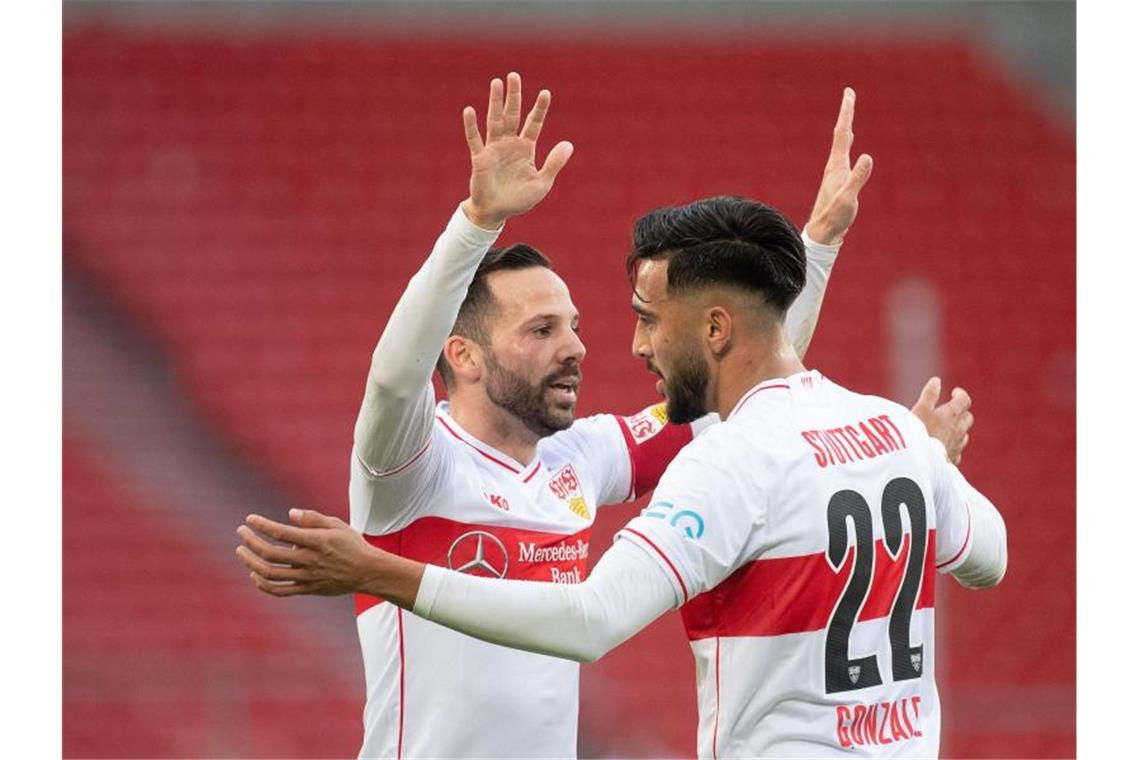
[[500, 480]]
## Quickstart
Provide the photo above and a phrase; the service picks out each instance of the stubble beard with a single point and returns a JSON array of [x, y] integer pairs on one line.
[[686, 389], [525, 401]]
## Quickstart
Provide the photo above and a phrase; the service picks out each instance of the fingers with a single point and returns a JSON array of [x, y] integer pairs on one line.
[[495, 110], [537, 115], [555, 160], [514, 104], [843, 136], [279, 589], [962, 397], [267, 570], [280, 532], [930, 393], [310, 518], [471, 130], [264, 549]]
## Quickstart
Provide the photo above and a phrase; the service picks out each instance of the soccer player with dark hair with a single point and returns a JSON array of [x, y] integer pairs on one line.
[[500, 480]]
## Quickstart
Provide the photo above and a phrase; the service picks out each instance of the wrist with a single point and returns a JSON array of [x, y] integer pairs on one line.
[[821, 235], [481, 218], [391, 577]]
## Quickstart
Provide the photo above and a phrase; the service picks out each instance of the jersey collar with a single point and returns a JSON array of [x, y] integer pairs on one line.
[[806, 379], [526, 472]]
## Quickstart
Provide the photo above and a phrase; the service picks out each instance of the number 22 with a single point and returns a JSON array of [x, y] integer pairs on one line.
[[841, 672]]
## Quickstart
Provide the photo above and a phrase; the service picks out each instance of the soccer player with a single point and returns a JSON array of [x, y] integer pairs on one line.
[[799, 537], [500, 480]]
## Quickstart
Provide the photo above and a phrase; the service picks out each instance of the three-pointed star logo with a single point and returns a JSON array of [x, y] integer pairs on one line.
[[479, 553]]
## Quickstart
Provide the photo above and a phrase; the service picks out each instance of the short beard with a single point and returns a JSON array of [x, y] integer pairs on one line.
[[686, 389], [512, 393]]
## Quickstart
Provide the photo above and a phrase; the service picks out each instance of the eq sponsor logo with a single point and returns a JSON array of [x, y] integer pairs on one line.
[[478, 552], [688, 522]]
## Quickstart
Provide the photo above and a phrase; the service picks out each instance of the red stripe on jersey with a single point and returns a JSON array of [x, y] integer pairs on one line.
[[401, 468], [773, 597], [716, 720], [486, 550], [969, 528], [496, 460], [400, 734], [537, 467], [649, 458], [664, 556]]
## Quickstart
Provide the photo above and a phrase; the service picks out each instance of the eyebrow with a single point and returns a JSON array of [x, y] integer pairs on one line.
[[575, 317], [640, 310]]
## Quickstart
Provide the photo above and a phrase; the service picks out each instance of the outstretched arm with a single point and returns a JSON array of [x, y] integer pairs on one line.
[[395, 418], [625, 592], [836, 204]]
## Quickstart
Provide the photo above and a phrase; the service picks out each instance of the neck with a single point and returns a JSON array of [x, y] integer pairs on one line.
[[756, 360], [493, 426]]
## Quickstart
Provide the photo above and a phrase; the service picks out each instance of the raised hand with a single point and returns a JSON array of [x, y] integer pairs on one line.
[[837, 202], [949, 422], [505, 178]]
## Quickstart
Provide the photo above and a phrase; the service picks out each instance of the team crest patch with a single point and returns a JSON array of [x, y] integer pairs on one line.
[[647, 423], [568, 489]]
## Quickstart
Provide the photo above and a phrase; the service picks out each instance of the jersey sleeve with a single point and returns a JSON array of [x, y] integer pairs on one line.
[[628, 454], [699, 524], [970, 533], [396, 416], [804, 311]]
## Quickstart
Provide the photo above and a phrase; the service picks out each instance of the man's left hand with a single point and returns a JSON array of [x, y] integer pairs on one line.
[[950, 423]]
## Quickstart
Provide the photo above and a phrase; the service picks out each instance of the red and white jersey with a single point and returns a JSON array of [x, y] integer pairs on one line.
[[463, 505], [802, 536]]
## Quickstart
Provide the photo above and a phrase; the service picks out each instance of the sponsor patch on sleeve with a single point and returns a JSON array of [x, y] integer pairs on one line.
[[646, 423]]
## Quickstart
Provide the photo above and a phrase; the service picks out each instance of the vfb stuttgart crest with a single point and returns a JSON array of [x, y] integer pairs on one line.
[[478, 552], [568, 489]]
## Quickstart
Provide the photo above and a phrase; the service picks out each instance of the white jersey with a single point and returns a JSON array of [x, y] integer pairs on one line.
[[471, 508], [423, 488], [801, 535]]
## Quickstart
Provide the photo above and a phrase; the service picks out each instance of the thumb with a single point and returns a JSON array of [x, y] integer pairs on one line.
[[310, 518], [860, 173], [930, 393], [555, 160]]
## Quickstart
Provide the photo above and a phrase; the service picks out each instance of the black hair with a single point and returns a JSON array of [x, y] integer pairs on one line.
[[724, 240], [479, 303]]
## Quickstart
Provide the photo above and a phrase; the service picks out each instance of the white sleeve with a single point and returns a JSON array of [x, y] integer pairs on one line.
[[804, 311], [395, 420], [625, 592], [970, 532]]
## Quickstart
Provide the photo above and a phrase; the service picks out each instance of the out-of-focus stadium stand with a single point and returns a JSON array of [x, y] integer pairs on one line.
[[252, 202]]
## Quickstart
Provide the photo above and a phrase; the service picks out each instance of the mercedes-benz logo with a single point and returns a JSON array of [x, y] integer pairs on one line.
[[478, 552]]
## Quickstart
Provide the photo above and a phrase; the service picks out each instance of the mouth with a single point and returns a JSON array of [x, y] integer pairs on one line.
[[565, 389]]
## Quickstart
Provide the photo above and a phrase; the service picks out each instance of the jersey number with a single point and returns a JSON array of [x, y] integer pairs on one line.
[[843, 672]]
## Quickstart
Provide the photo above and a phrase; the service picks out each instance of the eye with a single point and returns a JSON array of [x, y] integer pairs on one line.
[[577, 329], [543, 331]]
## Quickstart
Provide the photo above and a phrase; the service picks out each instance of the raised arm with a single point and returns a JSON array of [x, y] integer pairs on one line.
[[395, 417], [836, 204]]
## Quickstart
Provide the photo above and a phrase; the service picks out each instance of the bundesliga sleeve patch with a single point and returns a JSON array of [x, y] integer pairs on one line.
[[646, 423]]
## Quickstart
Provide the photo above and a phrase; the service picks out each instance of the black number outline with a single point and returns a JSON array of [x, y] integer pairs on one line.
[[841, 671]]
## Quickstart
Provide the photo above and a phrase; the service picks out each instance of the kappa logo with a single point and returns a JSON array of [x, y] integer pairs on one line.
[[478, 552]]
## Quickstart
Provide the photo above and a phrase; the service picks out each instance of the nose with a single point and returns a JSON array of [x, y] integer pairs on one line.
[[640, 346], [574, 349]]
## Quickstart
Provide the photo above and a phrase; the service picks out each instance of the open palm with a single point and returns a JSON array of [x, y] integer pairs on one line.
[[505, 178]]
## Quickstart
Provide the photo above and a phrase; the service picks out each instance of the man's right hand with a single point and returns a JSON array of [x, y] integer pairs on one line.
[[949, 422], [505, 179]]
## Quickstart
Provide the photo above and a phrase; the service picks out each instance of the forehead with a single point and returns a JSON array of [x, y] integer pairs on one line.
[[523, 293], [651, 282]]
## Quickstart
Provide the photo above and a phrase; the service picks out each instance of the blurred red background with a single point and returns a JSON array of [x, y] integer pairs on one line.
[[243, 211]]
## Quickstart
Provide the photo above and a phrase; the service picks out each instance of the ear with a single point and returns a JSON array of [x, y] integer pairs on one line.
[[718, 329], [465, 357]]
